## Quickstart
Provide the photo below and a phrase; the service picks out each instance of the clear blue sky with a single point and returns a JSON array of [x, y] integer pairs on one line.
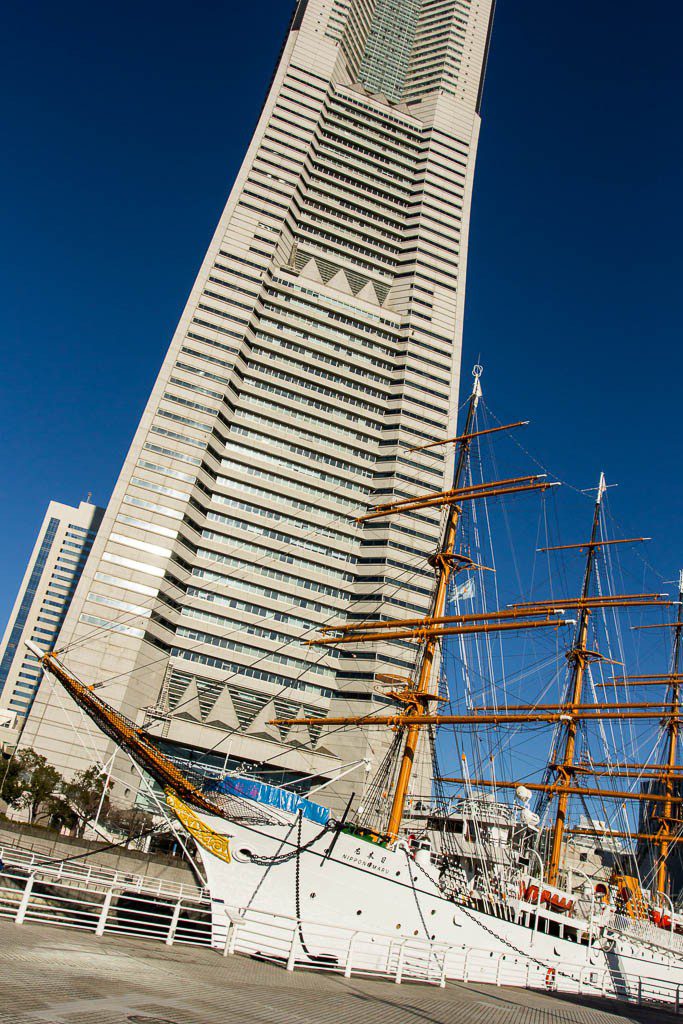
[[125, 127]]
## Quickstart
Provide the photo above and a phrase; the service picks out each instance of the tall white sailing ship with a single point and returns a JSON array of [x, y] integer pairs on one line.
[[471, 862]]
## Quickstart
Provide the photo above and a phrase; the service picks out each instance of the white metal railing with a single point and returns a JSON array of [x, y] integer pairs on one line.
[[647, 931], [95, 874], [117, 909]]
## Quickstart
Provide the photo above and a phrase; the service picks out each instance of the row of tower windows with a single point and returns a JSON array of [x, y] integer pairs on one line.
[[296, 467], [285, 538]]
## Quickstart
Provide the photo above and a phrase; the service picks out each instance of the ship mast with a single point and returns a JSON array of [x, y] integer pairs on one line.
[[415, 695], [672, 729], [578, 657], [443, 564]]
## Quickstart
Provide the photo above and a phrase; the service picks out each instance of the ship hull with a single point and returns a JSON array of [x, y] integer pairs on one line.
[[340, 886]]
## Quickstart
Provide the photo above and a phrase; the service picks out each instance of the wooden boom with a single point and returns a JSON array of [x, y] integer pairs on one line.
[[432, 620], [438, 498], [501, 718], [594, 544], [127, 735], [603, 601], [427, 632], [620, 835], [552, 788], [470, 437]]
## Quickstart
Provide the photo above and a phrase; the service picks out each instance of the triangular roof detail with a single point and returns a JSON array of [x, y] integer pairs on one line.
[[223, 711], [260, 725], [310, 272], [368, 293], [188, 706], [341, 283]]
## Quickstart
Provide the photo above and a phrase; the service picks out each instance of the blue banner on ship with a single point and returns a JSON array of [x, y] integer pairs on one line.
[[249, 789]]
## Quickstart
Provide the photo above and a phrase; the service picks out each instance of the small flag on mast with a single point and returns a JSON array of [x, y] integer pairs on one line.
[[464, 591]]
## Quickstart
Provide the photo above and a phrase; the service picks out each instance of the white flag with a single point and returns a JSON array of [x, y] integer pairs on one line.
[[464, 591]]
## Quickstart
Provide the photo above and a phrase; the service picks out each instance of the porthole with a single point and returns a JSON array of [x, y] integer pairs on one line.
[[416, 932], [358, 913], [432, 912], [312, 895], [398, 927], [243, 854], [398, 874]]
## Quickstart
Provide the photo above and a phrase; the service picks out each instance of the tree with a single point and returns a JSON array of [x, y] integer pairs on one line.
[[31, 784], [86, 795], [131, 821], [10, 783]]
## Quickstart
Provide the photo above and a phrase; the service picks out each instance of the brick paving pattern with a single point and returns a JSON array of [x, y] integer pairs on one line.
[[54, 976]]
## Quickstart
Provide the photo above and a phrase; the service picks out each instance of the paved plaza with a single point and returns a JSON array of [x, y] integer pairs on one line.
[[56, 976]]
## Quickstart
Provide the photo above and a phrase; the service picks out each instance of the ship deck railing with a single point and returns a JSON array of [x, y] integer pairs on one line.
[[645, 931]]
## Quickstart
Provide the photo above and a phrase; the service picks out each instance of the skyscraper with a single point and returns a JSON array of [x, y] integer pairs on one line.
[[320, 344], [52, 574]]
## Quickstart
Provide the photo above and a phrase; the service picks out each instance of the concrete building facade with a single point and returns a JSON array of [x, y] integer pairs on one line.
[[60, 552], [319, 345]]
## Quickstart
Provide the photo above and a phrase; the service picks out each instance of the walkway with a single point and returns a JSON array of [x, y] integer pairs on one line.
[[55, 976]]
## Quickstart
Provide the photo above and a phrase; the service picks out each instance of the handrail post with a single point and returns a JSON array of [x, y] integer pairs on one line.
[[229, 927], [465, 972], [677, 1001], [231, 935], [640, 991], [399, 965], [349, 955], [174, 923], [292, 950], [498, 968], [25, 897], [104, 912], [442, 978]]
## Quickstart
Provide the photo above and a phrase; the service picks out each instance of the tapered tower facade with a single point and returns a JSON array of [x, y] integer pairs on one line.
[[320, 344]]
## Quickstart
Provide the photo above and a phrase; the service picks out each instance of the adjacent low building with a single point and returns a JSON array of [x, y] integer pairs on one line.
[[52, 574]]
